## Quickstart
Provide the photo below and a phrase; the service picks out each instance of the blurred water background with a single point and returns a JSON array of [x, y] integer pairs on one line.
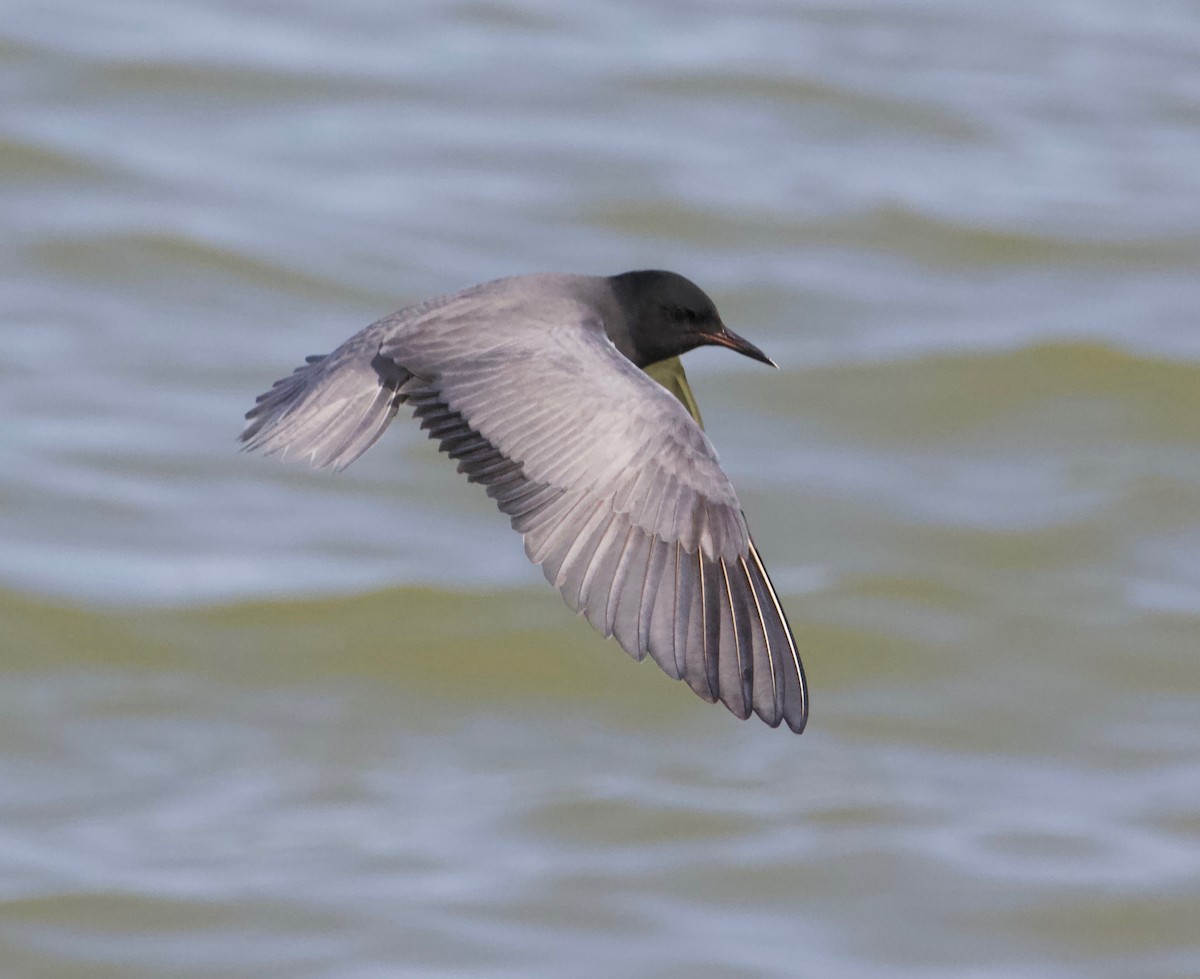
[[256, 721]]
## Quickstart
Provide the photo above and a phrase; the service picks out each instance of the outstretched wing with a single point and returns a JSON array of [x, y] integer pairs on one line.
[[616, 490]]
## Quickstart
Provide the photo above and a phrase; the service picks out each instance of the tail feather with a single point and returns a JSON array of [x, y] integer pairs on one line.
[[329, 411]]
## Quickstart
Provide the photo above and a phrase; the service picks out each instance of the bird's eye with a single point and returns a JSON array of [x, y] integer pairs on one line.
[[681, 314]]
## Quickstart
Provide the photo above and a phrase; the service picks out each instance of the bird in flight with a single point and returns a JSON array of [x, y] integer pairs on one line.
[[564, 396]]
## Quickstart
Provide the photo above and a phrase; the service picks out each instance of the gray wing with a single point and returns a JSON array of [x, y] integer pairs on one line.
[[616, 490]]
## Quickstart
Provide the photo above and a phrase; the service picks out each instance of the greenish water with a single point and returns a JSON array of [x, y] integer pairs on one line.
[[256, 721], [445, 783]]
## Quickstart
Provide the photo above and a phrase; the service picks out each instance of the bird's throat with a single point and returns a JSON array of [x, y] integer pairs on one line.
[[669, 373]]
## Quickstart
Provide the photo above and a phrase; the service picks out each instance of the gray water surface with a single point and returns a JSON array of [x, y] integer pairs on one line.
[[257, 721]]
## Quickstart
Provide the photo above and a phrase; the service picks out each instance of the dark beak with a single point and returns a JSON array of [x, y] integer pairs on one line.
[[724, 337]]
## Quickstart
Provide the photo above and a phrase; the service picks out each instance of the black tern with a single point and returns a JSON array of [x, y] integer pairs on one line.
[[565, 397]]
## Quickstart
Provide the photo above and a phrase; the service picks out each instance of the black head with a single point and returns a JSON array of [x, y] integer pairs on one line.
[[668, 315]]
